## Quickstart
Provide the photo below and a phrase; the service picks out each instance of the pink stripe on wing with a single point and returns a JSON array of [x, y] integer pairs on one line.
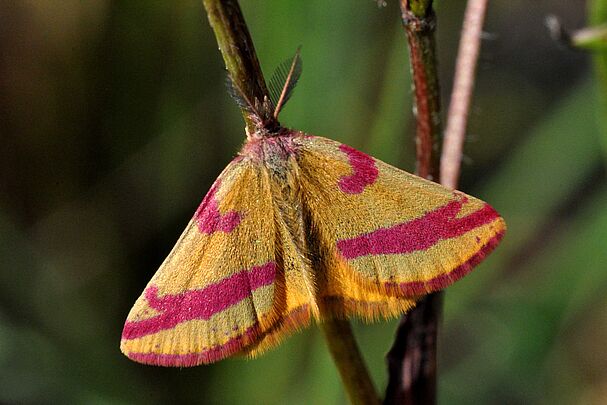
[[418, 234], [413, 288], [211, 355], [208, 217], [216, 353], [199, 304], [365, 171]]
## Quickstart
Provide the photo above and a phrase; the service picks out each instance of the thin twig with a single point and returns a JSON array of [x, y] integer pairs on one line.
[[241, 61], [463, 85], [412, 358], [588, 38], [420, 30]]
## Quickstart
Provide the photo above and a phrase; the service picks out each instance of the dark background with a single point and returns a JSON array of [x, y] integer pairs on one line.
[[114, 121]]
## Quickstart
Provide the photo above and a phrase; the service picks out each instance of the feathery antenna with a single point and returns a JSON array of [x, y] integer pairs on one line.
[[283, 81], [239, 96]]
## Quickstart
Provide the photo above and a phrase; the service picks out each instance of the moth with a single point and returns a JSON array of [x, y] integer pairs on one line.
[[300, 227]]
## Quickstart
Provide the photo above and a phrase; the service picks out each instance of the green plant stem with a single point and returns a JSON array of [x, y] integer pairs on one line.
[[237, 49], [349, 361], [591, 38], [597, 12], [241, 61], [412, 358], [598, 16]]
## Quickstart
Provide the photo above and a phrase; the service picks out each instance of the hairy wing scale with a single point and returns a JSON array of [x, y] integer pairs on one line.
[[199, 307], [310, 288], [389, 232], [320, 255], [296, 298]]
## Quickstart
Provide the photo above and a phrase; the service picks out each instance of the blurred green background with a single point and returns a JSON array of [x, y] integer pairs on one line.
[[114, 121]]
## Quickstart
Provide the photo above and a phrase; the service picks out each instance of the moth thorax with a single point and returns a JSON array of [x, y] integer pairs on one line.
[[272, 150]]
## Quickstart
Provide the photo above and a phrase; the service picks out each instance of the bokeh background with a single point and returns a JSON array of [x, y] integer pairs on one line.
[[114, 121]]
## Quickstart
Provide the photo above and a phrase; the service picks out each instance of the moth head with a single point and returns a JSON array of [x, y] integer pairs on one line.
[[264, 113]]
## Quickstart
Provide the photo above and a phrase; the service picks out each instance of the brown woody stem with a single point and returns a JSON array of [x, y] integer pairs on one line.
[[420, 30], [412, 358], [241, 61]]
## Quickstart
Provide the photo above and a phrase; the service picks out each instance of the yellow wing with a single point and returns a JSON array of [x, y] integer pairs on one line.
[[385, 236], [215, 293], [296, 227]]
